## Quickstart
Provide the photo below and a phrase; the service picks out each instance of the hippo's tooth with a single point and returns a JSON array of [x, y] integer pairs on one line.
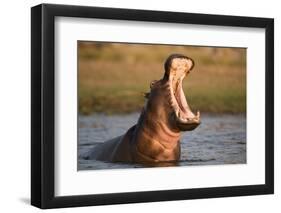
[[182, 120], [198, 114]]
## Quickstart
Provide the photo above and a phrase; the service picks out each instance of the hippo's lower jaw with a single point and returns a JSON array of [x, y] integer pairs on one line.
[[182, 114], [188, 124]]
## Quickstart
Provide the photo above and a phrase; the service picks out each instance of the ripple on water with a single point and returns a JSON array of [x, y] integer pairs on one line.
[[220, 139]]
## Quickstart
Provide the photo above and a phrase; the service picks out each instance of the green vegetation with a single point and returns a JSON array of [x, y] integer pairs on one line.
[[113, 77]]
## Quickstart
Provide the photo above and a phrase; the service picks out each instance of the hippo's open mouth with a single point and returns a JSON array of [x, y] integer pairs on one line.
[[185, 118]]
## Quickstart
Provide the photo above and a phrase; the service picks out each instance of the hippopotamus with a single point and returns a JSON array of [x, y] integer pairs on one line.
[[155, 138]]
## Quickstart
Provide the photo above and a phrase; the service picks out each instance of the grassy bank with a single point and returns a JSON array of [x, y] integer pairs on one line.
[[112, 78]]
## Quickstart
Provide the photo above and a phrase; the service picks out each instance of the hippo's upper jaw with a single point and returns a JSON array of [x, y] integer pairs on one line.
[[177, 67]]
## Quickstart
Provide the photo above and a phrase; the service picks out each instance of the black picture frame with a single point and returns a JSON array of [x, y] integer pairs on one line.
[[43, 102]]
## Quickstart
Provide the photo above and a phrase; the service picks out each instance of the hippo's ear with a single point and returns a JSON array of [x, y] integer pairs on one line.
[[152, 83], [146, 95]]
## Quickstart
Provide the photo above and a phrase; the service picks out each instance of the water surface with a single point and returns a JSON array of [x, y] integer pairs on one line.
[[220, 139]]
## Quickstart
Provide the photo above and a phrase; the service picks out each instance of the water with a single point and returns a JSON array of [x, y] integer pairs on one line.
[[220, 139]]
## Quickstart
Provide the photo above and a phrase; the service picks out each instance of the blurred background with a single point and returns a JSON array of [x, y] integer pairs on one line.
[[114, 76]]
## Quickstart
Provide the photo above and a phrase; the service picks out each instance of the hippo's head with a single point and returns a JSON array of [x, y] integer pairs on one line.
[[166, 101]]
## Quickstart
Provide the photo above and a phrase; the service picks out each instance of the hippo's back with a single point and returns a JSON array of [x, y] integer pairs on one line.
[[103, 151]]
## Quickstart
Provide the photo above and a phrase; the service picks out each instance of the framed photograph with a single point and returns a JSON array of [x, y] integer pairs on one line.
[[140, 106]]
